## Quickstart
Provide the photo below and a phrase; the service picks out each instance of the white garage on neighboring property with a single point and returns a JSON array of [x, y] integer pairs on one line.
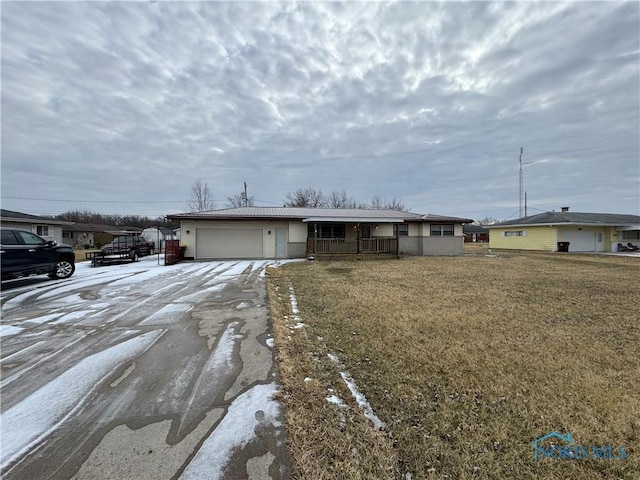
[[289, 232]]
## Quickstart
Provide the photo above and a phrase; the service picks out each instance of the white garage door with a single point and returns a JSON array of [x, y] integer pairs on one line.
[[228, 243], [583, 240]]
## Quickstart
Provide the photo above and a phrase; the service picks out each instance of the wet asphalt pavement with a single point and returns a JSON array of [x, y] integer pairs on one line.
[[140, 371]]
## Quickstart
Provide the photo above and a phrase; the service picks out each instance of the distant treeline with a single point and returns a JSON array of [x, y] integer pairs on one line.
[[115, 220]]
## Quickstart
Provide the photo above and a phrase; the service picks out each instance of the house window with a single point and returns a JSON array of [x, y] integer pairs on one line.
[[402, 230], [515, 233], [327, 231], [442, 230], [630, 234], [42, 230]]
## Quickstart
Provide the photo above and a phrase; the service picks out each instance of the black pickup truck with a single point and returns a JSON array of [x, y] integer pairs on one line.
[[124, 247], [24, 253]]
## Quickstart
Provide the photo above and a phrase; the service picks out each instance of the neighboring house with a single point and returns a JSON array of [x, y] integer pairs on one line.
[[475, 233], [44, 227], [290, 232], [584, 232], [92, 235]]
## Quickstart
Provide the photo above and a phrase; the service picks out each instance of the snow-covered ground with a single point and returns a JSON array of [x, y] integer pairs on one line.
[[138, 344]]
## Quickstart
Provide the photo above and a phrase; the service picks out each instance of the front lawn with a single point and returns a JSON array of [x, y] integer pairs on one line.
[[466, 360]]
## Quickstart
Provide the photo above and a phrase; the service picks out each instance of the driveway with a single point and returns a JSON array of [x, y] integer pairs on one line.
[[140, 371]]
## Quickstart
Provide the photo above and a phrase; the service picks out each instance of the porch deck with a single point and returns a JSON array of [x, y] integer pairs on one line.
[[364, 247]]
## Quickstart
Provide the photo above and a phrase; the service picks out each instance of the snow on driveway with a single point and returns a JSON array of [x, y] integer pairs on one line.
[[35, 416], [135, 344]]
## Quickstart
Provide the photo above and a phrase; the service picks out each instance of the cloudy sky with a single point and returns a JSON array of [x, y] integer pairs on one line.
[[118, 107]]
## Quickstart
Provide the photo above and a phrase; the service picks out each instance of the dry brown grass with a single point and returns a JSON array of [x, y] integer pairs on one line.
[[476, 248], [81, 254], [466, 360]]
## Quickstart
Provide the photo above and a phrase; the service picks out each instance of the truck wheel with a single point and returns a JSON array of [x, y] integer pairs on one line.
[[134, 256], [64, 269]]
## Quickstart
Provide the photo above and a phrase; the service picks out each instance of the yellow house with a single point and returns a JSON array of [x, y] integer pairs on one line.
[[567, 231]]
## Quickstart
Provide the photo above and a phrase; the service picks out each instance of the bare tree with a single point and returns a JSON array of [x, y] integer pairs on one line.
[[381, 202], [486, 221], [239, 201], [305, 197], [201, 199], [338, 199]]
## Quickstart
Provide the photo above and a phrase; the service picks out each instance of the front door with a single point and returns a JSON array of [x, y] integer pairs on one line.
[[599, 242], [281, 242]]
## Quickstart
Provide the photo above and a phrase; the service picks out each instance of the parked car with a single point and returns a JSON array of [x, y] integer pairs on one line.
[[129, 246], [24, 253]]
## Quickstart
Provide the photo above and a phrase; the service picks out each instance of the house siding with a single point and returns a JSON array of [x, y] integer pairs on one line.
[[384, 230], [536, 238], [55, 231], [297, 232], [409, 245], [546, 238], [431, 246], [444, 246]]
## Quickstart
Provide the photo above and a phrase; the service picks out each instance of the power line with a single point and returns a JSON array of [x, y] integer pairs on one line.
[[91, 201]]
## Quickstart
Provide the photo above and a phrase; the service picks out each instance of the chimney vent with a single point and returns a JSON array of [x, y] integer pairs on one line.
[[565, 209]]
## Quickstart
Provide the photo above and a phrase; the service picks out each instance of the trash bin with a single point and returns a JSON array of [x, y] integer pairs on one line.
[[563, 246]]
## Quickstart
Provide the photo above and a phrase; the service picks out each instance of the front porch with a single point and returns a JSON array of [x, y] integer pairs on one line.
[[331, 247]]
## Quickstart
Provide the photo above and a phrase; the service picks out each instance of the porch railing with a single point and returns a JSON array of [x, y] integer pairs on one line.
[[341, 245]]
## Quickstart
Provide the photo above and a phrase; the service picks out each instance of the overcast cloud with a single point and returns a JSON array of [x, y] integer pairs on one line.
[[429, 102]]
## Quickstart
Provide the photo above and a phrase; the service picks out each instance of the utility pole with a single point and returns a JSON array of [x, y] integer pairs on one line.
[[520, 198], [243, 195]]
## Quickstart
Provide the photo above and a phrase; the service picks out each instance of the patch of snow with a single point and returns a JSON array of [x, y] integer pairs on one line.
[[23, 351], [98, 306], [243, 305], [362, 401], [236, 268], [294, 302], [336, 400], [270, 342], [334, 358], [248, 412], [201, 295], [168, 314], [7, 330], [69, 317], [27, 423], [307, 379]]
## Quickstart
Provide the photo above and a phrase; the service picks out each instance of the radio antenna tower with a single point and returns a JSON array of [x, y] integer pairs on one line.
[[520, 198]]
